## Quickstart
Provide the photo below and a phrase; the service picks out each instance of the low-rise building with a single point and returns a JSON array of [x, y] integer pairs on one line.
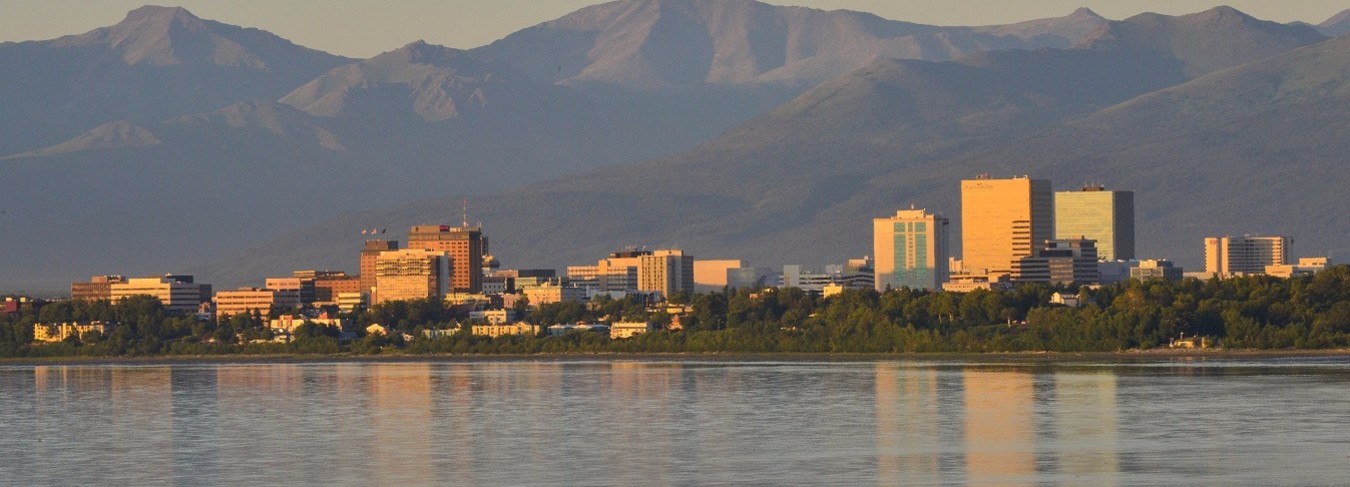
[[629, 329], [245, 300], [1156, 269], [503, 329], [52, 333], [553, 293], [178, 293], [493, 316], [1306, 266], [349, 302], [560, 329], [289, 323], [964, 283], [97, 288]]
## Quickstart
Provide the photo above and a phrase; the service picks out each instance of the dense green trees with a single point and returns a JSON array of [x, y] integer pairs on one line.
[[1248, 312]]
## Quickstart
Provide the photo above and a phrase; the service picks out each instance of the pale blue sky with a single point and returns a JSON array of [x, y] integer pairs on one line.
[[364, 28]]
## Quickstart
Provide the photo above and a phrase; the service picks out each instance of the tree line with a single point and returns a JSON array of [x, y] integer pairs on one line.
[[1254, 312]]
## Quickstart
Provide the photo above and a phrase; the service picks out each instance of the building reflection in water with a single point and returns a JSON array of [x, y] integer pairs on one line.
[[1000, 427], [908, 425], [403, 451], [1085, 427]]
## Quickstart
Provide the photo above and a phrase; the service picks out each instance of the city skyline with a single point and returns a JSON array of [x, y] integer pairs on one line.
[[360, 29]]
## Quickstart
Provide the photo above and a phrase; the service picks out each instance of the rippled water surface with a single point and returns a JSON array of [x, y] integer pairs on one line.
[[620, 422]]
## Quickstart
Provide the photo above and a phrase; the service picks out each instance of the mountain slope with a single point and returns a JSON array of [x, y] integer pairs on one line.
[[1337, 25], [158, 62], [1204, 42], [799, 184], [647, 44]]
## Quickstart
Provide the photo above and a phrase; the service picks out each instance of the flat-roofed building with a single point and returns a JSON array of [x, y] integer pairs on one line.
[[176, 293], [52, 333], [349, 302], [1003, 220], [711, 275], [553, 293], [408, 274], [465, 246], [629, 329], [369, 253], [666, 272], [246, 300], [291, 292], [1060, 262], [910, 250], [329, 284], [1234, 256], [1095, 213], [288, 322], [1306, 266], [1156, 269], [96, 289], [503, 329]]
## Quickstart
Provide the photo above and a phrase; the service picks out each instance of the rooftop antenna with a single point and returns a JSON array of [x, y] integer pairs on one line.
[[466, 213]]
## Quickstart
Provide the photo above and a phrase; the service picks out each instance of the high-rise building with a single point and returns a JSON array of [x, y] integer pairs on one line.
[[176, 293], [1097, 214], [666, 272], [464, 245], [910, 250], [329, 284], [291, 292], [1060, 262], [1003, 220], [97, 288], [1230, 256], [411, 274], [369, 253]]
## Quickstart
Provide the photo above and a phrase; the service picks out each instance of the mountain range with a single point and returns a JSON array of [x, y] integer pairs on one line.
[[769, 133]]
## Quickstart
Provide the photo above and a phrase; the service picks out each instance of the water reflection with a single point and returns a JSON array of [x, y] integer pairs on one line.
[[644, 423], [1000, 427]]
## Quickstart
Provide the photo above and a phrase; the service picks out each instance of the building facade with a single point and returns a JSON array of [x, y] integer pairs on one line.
[[1060, 262], [1156, 269], [369, 253], [176, 293], [245, 300], [97, 288], [1003, 220], [465, 247], [910, 250], [1095, 213], [1234, 256], [407, 274], [52, 333]]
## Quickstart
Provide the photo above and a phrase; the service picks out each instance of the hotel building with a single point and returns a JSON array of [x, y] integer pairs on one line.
[[1097, 214], [1003, 220], [910, 250], [1232, 256]]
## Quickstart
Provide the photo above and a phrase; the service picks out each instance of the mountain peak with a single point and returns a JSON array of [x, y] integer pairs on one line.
[[157, 12], [1085, 13], [1222, 13]]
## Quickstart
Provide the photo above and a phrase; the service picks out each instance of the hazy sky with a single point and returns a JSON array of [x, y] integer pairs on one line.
[[362, 28]]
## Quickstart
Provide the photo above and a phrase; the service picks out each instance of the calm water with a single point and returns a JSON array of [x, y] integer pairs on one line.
[[1278, 421]]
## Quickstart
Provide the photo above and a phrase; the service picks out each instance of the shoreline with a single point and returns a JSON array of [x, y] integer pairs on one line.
[[1126, 356]]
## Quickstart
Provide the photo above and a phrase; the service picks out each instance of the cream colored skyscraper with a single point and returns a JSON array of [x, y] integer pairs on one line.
[[1230, 256], [1097, 214], [412, 274], [1003, 220], [910, 250]]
